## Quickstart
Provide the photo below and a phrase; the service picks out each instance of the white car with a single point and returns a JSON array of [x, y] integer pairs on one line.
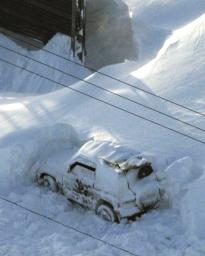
[[112, 180]]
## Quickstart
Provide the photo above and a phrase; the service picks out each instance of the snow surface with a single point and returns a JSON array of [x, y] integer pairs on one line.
[[171, 44], [59, 45]]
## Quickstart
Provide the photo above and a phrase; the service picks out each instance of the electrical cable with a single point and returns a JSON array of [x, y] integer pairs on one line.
[[67, 226], [107, 75], [105, 102], [102, 88]]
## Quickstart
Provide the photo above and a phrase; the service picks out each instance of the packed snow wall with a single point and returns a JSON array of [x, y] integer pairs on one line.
[[109, 35]]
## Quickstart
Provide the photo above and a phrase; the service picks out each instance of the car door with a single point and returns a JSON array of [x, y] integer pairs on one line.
[[78, 184]]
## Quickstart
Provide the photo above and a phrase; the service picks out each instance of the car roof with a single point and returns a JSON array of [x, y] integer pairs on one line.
[[113, 154]]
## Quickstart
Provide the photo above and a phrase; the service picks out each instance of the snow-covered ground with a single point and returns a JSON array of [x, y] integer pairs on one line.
[[171, 45]]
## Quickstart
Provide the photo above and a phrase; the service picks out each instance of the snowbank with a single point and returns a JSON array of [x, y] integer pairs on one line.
[[184, 185], [26, 123], [177, 71], [15, 80], [193, 210], [154, 21], [167, 14], [21, 152]]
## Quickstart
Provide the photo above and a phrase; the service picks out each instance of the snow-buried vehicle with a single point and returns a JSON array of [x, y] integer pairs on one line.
[[113, 180]]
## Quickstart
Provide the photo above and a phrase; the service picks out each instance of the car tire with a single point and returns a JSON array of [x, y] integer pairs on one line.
[[49, 182], [106, 212]]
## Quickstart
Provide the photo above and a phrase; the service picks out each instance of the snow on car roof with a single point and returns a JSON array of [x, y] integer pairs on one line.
[[113, 154]]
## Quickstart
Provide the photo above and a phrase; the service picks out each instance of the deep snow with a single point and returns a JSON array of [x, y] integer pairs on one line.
[[174, 69]]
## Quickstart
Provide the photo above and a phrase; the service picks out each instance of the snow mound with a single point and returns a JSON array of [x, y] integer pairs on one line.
[[178, 70], [21, 152], [167, 14], [27, 136], [154, 21], [179, 174], [185, 186], [16, 80], [193, 210]]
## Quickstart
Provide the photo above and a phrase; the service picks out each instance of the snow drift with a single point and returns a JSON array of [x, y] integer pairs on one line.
[[30, 83], [176, 39], [181, 58], [21, 152]]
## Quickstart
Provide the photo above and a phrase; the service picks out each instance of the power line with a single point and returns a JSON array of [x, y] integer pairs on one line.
[[105, 102], [104, 89], [68, 226], [107, 75]]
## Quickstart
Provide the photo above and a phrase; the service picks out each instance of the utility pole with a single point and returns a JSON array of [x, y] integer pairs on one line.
[[78, 29]]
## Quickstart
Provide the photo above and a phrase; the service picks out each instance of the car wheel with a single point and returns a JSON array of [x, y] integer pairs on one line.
[[106, 212], [50, 183]]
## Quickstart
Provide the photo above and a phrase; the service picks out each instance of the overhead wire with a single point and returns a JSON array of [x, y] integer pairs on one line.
[[101, 88], [105, 242], [106, 75], [105, 102]]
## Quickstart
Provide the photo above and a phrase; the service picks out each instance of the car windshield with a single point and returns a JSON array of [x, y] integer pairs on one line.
[[144, 171], [139, 173]]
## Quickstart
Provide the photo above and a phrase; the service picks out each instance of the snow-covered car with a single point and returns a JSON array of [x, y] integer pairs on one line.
[[112, 180]]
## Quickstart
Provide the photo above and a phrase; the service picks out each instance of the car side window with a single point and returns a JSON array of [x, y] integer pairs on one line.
[[83, 171]]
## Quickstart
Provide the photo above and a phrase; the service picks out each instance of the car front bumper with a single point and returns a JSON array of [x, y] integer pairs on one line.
[[131, 210], [128, 210]]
